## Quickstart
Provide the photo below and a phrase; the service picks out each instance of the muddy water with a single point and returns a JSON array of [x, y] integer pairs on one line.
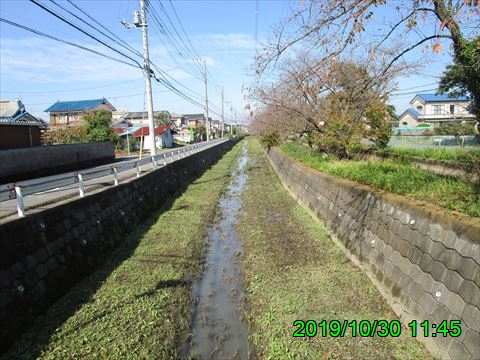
[[218, 330]]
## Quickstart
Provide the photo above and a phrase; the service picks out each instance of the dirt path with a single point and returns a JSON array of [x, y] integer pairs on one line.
[[294, 273]]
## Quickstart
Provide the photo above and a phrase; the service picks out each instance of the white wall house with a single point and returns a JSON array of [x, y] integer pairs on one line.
[[436, 110]]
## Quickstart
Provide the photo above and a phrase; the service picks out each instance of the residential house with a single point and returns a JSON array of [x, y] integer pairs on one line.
[[178, 120], [140, 118], [194, 120], [71, 113], [18, 128], [215, 125], [436, 110], [163, 136], [184, 134]]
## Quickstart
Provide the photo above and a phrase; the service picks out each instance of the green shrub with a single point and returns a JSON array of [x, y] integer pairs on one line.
[[270, 139]]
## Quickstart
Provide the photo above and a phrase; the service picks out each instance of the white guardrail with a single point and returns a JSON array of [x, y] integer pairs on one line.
[[18, 190]]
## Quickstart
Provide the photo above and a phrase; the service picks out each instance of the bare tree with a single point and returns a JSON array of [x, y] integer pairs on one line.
[[388, 29], [332, 64], [335, 105]]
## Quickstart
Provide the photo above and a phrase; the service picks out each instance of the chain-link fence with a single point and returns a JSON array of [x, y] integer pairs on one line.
[[421, 141]]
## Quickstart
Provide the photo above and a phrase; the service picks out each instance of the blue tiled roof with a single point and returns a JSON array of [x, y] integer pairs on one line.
[[440, 97], [130, 131], [21, 118], [76, 105], [414, 113]]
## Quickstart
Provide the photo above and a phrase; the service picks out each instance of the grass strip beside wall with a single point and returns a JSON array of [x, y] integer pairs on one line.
[[294, 271], [138, 304]]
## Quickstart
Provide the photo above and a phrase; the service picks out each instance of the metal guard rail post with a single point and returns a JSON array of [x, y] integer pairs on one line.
[[28, 187]]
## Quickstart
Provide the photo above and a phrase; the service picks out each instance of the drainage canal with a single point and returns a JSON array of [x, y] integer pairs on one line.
[[218, 329]]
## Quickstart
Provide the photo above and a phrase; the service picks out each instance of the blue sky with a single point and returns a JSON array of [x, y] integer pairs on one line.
[[224, 34], [40, 71]]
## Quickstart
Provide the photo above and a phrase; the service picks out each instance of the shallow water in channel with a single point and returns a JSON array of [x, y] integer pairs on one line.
[[218, 330]]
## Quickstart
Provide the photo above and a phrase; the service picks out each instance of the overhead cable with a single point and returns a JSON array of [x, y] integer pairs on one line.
[[113, 37], [65, 42], [83, 31]]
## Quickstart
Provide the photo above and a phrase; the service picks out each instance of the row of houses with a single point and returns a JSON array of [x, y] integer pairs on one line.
[[21, 129]]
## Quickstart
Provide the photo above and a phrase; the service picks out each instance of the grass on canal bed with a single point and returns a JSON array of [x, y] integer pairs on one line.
[[138, 305], [293, 271]]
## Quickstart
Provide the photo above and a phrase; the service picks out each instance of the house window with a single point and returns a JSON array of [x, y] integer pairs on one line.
[[437, 109], [452, 109], [420, 108], [63, 119]]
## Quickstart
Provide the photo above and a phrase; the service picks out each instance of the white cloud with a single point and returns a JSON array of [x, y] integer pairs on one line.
[[225, 42], [37, 69], [40, 60]]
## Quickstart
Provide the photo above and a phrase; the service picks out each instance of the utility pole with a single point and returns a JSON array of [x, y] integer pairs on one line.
[[236, 124], [231, 124], [207, 123], [140, 20], [148, 83], [222, 113]]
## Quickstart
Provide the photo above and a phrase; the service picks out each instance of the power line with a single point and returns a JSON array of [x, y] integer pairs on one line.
[[119, 42], [83, 31], [412, 92], [169, 82], [170, 38], [62, 91], [64, 41], [183, 29], [419, 86], [180, 47]]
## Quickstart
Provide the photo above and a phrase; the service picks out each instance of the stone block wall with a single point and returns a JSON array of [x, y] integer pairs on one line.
[[39, 161], [44, 254], [423, 259]]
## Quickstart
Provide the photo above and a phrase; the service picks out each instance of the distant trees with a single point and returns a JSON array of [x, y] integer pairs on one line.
[[163, 118], [328, 71], [64, 135], [200, 131], [339, 109], [97, 128], [463, 76]]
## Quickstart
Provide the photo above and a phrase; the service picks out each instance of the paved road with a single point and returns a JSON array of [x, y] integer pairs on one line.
[[43, 200]]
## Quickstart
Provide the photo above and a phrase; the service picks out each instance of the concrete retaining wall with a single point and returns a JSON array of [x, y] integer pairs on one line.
[[46, 253], [21, 164], [423, 259]]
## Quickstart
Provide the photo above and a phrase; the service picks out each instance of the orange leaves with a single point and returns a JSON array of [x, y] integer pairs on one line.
[[442, 25], [437, 48], [471, 2]]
